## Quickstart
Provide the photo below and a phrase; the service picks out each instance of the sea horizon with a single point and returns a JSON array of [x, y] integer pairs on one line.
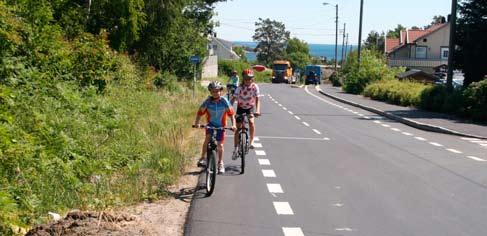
[[315, 50]]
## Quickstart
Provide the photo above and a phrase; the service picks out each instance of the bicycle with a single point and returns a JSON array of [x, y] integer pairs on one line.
[[230, 91], [243, 145], [211, 153]]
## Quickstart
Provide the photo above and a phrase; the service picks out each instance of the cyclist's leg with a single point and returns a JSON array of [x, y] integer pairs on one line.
[[252, 126], [239, 120], [203, 148], [220, 138]]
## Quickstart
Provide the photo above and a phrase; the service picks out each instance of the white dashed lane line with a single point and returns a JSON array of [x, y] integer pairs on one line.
[[476, 158], [292, 231], [481, 142], [274, 188], [269, 173], [257, 145], [283, 208], [260, 152], [454, 150], [264, 162], [297, 117], [436, 144], [306, 124]]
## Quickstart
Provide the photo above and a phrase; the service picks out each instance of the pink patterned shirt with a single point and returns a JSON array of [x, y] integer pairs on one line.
[[246, 95]]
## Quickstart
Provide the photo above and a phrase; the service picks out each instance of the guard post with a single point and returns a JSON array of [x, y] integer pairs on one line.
[[195, 60]]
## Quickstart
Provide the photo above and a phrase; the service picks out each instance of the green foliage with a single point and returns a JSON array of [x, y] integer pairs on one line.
[[470, 102], [240, 51], [168, 82], [404, 93], [470, 38], [124, 19], [375, 41], [225, 68], [396, 33], [272, 38], [78, 129], [476, 100], [297, 52], [335, 80], [373, 68]]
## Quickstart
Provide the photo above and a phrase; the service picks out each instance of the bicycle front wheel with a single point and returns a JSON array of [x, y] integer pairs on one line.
[[243, 148], [210, 172]]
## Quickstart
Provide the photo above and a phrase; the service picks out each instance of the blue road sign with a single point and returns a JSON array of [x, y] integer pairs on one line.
[[194, 59]]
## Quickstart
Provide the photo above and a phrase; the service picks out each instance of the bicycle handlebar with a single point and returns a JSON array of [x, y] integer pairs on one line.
[[210, 127]]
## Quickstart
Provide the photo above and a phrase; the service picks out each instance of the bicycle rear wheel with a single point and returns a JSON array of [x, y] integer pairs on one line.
[[210, 172], [243, 148]]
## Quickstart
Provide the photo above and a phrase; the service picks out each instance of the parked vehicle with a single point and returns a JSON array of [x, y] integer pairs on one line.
[[282, 72], [312, 74]]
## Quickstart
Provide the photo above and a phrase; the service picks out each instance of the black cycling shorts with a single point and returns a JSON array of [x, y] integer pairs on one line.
[[241, 111]]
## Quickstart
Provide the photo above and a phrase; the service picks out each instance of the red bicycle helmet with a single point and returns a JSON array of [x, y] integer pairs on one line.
[[248, 73]]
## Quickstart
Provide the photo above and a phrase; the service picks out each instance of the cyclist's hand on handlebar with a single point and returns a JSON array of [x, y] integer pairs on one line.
[[257, 114], [197, 126], [234, 128]]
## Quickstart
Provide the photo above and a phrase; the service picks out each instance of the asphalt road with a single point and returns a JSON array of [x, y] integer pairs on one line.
[[340, 170]]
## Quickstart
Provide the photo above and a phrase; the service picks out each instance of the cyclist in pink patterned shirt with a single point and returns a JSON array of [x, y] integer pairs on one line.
[[247, 96]]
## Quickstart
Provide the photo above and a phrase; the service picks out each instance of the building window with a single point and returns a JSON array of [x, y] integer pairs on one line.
[[420, 52], [444, 53]]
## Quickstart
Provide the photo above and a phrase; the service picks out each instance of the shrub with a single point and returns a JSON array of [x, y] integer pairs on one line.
[[225, 67], [476, 100], [335, 80], [372, 68], [167, 81], [405, 93]]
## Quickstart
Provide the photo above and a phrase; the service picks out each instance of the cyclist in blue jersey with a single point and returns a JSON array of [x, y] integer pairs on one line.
[[232, 85], [216, 108]]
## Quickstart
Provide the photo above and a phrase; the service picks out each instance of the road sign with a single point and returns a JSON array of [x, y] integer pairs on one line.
[[194, 59]]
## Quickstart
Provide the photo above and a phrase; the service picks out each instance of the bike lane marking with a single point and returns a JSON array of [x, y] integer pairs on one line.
[[283, 208], [292, 231], [269, 173], [264, 162]]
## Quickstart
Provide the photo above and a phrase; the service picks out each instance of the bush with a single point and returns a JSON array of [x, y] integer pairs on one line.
[[372, 68], [335, 80], [476, 100], [405, 93], [168, 82], [225, 68]]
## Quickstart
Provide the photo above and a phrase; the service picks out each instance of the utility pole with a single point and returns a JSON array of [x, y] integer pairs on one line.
[[451, 48], [360, 31], [343, 42], [346, 47], [336, 39]]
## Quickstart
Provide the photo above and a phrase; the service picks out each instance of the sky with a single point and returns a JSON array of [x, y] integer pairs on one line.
[[313, 22]]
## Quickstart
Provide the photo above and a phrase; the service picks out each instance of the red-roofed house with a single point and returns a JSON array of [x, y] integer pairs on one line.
[[420, 49]]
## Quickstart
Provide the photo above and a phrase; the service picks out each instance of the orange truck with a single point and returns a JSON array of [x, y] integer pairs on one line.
[[282, 72]]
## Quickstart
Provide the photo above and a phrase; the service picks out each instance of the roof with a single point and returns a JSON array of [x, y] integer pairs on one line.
[[410, 37], [414, 72], [390, 44]]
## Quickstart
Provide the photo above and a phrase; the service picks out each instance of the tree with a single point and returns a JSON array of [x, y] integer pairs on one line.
[[240, 51], [272, 38], [396, 33], [297, 52], [439, 19], [471, 36], [375, 41]]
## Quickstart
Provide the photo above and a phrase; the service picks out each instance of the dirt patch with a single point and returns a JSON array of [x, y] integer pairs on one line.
[[165, 217]]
